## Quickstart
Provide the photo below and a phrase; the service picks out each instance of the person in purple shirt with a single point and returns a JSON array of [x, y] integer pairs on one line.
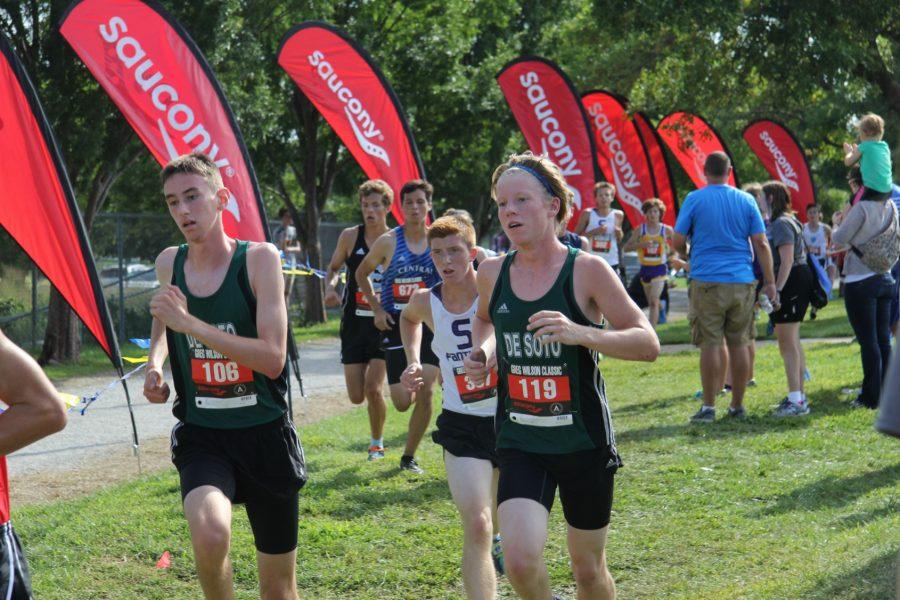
[[719, 218]]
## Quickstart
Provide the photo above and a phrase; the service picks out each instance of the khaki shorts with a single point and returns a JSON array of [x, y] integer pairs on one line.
[[720, 312]]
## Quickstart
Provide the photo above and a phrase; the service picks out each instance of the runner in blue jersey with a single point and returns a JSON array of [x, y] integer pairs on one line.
[[404, 256]]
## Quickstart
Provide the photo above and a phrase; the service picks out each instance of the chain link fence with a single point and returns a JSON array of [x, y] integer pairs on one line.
[[125, 246]]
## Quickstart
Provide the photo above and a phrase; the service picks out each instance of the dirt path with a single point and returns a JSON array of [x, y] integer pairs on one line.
[[94, 451]]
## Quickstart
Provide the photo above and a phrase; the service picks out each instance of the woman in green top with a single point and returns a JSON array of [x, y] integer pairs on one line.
[[536, 322]]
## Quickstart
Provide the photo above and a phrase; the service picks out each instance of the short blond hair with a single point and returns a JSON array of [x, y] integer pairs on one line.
[[604, 185], [547, 169], [377, 186], [195, 163], [452, 225], [871, 125]]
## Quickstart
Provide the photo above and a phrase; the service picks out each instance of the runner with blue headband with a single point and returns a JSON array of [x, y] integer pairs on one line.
[[536, 322]]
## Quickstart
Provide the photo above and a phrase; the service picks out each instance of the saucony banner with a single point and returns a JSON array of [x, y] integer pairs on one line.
[[691, 139], [621, 155], [38, 206], [552, 119], [783, 157], [161, 82], [345, 84]]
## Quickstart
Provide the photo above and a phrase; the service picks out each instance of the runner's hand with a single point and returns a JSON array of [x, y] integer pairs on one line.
[[411, 378], [477, 367], [332, 298], [156, 389], [383, 321], [169, 305], [551, 326]]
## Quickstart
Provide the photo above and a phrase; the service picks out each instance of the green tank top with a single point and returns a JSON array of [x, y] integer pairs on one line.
[[212, 390], [551, 397]]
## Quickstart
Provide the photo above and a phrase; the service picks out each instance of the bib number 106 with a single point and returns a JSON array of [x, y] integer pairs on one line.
[[221, 372]]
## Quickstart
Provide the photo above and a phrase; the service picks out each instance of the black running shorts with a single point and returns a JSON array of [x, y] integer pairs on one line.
[[15, 579], [584, 480], [360, 340], [795, 296], [261, 466], [395, 357], [466, 436]]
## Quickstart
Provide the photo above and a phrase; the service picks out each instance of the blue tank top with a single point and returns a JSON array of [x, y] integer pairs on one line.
[[406, 273]]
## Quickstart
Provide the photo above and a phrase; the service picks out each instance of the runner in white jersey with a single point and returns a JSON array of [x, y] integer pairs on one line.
[[602, 226], [817, 236], [465, 427]]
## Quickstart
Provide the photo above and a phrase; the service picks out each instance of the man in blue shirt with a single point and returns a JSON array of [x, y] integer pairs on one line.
[[719, 219]]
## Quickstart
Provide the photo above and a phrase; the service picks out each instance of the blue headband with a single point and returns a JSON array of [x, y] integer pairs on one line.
[[534, 173]]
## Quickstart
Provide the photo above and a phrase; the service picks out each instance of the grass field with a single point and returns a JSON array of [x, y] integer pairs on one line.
[[764, 508], [830, 322]]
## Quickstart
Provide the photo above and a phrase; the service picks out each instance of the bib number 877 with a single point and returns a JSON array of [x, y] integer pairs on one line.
[[221, 372]]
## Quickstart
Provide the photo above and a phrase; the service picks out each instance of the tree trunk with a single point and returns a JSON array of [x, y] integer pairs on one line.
[[62, 339], [314, 296]]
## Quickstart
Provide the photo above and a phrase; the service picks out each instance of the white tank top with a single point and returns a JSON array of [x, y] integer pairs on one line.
[[815, 240], [605, 245], [451, 344]]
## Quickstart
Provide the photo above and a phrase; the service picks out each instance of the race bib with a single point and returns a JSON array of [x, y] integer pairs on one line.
[[601, 244], [654, 250], [363, 308], [469, 392], [404, 288], [222, 383], [540, 395], [816, 250]]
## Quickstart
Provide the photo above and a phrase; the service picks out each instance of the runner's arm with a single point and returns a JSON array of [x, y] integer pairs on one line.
[[583, 220], [632, 242], [156, 390], [632, 336], [341, 252], [478, 367], [412, 316], [264, 354], [620, 218], [34, 407], [379, 254]]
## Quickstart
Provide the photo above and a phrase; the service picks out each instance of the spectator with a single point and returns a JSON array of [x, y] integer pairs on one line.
[[793, 281], [895, 273], [285, 239], [874, 158], [719, 219], [867, 294]]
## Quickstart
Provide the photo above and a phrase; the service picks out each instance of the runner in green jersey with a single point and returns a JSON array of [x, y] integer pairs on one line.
[[220, 316], [536, 322]]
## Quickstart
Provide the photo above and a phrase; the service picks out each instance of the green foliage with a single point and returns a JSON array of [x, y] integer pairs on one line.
[[764, 508]]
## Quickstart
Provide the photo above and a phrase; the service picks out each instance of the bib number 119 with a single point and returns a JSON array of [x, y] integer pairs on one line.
[[538, 389]]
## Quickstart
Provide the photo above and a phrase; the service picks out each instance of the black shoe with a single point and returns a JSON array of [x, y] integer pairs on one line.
[[408, 463], [860, 404]]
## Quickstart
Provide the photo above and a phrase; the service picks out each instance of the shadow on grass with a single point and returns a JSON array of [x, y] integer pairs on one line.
[[823, 403], [875, 579], [834, 492], [368, 502]]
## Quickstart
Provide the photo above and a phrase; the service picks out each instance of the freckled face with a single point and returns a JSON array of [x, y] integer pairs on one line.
[[523, 207]]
